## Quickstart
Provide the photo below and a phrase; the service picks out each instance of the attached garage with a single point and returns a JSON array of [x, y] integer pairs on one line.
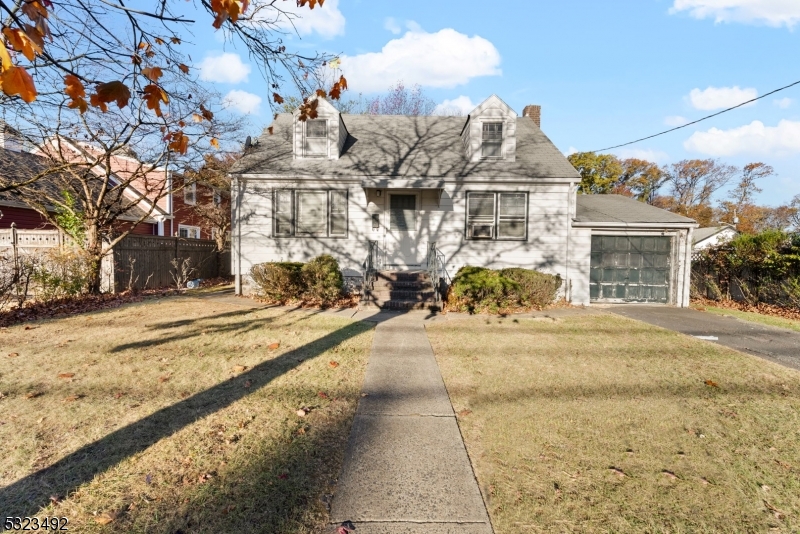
[[639, 253]]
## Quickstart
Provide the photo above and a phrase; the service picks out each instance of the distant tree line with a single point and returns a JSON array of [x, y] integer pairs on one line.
[[689, 187]]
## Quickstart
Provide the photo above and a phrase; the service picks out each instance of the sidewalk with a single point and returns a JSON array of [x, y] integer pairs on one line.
[[406, 469]]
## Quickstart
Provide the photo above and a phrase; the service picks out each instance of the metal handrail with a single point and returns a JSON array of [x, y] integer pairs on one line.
[[371, 265], [437, 271]]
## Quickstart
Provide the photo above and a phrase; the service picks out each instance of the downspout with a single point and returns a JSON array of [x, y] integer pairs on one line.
[[567, 281], [237, 241]]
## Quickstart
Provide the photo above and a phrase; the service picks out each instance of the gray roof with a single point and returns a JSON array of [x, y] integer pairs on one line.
[[704, 233], [405, 147], [620, 209]]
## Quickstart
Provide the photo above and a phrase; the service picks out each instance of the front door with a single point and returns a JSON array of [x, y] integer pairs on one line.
[[402, 249]]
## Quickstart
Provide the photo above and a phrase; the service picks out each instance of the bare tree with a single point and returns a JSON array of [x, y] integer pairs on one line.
[[693, 182], [215, 210], [745, 191]]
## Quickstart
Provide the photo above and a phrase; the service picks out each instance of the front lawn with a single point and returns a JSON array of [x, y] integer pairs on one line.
[[604, 424], [178, 415]]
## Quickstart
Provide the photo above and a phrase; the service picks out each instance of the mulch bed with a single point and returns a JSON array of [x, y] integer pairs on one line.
[[762, 308]]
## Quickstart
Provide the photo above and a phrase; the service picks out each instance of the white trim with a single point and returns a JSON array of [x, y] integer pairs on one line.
[[190, 229], [622, 225]]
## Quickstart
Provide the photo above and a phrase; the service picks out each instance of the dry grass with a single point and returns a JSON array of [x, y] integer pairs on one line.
[[179, 416], [604, 424]]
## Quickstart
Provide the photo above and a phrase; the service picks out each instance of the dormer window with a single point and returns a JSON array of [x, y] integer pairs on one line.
[[492, 140], [316, 140]]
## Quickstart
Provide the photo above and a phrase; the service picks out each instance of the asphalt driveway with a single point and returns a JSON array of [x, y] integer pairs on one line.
[[771, 343]]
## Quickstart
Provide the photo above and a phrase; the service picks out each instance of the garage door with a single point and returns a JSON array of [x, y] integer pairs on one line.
[[630, 268]]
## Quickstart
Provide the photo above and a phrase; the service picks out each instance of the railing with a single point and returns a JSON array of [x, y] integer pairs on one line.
[[437, 271], [371, 265]]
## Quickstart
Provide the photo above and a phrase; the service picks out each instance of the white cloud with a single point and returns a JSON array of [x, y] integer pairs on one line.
[[242, 101], [392, 25], [784, 103], [461, 105], [446, 58], [720, 97], [570, 151], [326, 21], [649, 154], [753, 138], [224, 68], [675, 120], [770, 12]]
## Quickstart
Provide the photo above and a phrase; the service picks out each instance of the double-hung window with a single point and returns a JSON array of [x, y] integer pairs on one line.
[[316, 138], [499, 216], [310, 213], [492, 140], [190, 194]]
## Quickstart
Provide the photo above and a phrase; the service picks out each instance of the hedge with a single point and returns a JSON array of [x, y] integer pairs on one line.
[[319, 281], [477, 289]]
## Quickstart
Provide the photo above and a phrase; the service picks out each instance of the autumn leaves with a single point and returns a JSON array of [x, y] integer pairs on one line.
[[28, 40]]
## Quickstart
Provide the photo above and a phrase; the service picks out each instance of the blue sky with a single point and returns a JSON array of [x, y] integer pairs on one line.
[[604, 72]]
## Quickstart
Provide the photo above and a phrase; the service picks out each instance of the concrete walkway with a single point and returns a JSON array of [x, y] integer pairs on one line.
[[406, 469], [771, 343]]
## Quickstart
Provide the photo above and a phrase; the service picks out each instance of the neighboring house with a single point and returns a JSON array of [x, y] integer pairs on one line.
[[489, 189], [172, 215], [713, 236]]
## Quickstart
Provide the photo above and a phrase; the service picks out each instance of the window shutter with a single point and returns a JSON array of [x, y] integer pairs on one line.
[[338, 213], [283, 213], [312, 211], [511, 221]]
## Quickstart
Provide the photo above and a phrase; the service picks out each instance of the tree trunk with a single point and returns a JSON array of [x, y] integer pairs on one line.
[[94, 249]]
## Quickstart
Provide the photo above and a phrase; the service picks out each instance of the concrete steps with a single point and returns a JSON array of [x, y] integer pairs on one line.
[[403, 290]]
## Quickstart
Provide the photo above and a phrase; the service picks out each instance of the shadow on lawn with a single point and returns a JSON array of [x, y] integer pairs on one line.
[[27, 496]]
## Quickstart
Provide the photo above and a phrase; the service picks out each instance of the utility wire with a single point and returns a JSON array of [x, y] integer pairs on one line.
[[701, 120]]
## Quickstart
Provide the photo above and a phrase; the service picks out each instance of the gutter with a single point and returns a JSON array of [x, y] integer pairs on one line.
[[654, 225]]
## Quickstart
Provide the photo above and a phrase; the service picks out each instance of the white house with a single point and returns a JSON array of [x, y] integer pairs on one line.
[[489, 189], [713, 236]]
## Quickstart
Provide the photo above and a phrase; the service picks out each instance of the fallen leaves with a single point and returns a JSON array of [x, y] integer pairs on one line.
[[464, 413], [711, 383], [104, 518], [13, 355], [301, 412], [274, 346], [66, 375], [239, 368], [333, 364], [33, 394], [247, 383], [164, 378], [617, 471], [72, 398]]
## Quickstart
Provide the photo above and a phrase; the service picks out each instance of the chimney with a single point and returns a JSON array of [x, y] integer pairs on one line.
[[534, 113]]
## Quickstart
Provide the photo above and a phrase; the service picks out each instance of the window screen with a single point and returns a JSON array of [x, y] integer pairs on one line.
[[316, 140], [497, 215], [511, 215], [312, 207], [338, 213], [283, 213], [492, 140], [402, 212]]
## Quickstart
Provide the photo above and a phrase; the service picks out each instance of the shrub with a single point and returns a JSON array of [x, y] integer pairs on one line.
[[477, 289], [322, 280], [278, 281], [61, 273], [319, 281]]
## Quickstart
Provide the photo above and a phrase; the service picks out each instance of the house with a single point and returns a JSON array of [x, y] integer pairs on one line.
[[173, 214], [713, 236], [489, 189]]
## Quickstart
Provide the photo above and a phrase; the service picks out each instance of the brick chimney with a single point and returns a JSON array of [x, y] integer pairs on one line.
[[535, 113]]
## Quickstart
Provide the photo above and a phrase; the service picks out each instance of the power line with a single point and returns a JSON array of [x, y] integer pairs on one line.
[[700, 120]]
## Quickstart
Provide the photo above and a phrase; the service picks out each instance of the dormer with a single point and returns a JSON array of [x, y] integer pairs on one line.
[[491, 132], [322, 137]]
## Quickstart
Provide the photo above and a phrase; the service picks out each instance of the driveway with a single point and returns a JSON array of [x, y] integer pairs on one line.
[[771, 343]]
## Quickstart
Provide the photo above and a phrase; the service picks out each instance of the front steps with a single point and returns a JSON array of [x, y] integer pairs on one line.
[[401, 290]]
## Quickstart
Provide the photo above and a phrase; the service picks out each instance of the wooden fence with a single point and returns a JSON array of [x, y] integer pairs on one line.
[[138, 261]]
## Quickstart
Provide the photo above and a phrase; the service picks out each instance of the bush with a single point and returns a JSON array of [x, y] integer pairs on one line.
[[477, 289], [322, 280], [61, 273], [319, 281], [278, 281]]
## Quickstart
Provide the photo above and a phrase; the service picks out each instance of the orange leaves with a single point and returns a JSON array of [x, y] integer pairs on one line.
[[711, 384], [178, 141], [23, 43], [311, 3], [152, 73], [277, 98], [154, 95], [227, 9], [215, 143], [308, 109], [207, 115], [184, 69], [74, 89], [338, 87], [16, 81], [321, 93], [105, 93]]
